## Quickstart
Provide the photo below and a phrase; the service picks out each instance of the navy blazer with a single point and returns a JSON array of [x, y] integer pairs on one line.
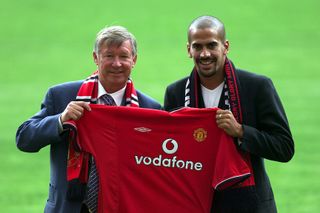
[[266, 129], [42, 130]]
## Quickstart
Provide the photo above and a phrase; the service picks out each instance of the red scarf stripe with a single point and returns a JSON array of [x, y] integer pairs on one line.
[[196, 88], [233, 91], [237, 91], [89, 89], [131, 95], [78, 161]]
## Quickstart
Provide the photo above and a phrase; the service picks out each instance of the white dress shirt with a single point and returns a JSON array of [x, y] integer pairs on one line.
[[117, 97]]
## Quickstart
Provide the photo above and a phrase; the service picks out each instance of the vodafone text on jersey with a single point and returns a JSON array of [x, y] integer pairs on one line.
[[168, 162]]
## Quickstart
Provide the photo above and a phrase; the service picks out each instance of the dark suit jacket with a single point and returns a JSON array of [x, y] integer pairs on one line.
[[266, 130], [42, 130]]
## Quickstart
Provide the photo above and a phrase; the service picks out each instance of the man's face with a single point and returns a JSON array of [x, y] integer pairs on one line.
[[114, 65], [208, 51]]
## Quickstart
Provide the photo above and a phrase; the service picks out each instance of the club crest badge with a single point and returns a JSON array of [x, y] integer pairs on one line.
[[200, 134]]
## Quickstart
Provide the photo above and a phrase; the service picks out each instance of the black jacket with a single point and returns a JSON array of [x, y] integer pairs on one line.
[[266, 129]]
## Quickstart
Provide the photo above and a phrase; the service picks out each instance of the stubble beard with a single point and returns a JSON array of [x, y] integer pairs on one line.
[[207, 73]]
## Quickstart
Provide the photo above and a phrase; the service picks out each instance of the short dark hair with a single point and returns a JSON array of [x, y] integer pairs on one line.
[[203, 22]]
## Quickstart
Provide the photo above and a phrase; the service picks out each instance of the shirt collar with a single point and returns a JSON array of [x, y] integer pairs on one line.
[[117, 96]]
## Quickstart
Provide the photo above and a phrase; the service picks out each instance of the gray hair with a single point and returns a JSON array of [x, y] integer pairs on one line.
[[203, 22], [115, 35]]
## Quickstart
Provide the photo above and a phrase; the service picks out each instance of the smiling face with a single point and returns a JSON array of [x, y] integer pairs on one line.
[[208, 50], [115, 63]]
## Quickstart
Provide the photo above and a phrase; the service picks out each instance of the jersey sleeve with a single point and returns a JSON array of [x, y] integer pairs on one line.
[[230, 166]]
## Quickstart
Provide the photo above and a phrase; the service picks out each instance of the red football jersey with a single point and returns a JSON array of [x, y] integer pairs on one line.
[[156, 161]]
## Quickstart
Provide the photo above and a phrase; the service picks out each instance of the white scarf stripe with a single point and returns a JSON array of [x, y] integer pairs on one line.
[[187, 90], [134, 96], [90, 81], [83, 97], [187, 94], [135, 102]]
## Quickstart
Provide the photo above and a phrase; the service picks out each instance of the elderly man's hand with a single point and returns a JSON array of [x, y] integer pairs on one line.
[[74, 111]]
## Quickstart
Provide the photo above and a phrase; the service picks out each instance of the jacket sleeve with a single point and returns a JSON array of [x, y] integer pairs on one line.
[[271, 137], [40, 130], [169, 101]]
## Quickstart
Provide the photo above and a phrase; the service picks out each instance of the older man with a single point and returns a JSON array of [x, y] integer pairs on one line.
[[115, 54]]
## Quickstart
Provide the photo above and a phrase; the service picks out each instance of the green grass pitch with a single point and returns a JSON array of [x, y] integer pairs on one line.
[[43, 43]]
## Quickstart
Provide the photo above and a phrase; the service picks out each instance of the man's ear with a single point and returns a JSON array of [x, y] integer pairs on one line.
[[95, 58], [189, 50], [134, 60], [226, 47]]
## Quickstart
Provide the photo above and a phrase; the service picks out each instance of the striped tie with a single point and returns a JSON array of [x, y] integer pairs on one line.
[[107, 100], [93, 182]]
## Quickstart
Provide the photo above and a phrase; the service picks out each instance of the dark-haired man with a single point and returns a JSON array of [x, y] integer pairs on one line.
[[251, 110]]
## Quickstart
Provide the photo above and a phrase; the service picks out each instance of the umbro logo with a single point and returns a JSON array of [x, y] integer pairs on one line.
[[142, 129]]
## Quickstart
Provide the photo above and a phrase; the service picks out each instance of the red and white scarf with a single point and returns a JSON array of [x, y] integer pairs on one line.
[[89, 91], [77, 178]]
